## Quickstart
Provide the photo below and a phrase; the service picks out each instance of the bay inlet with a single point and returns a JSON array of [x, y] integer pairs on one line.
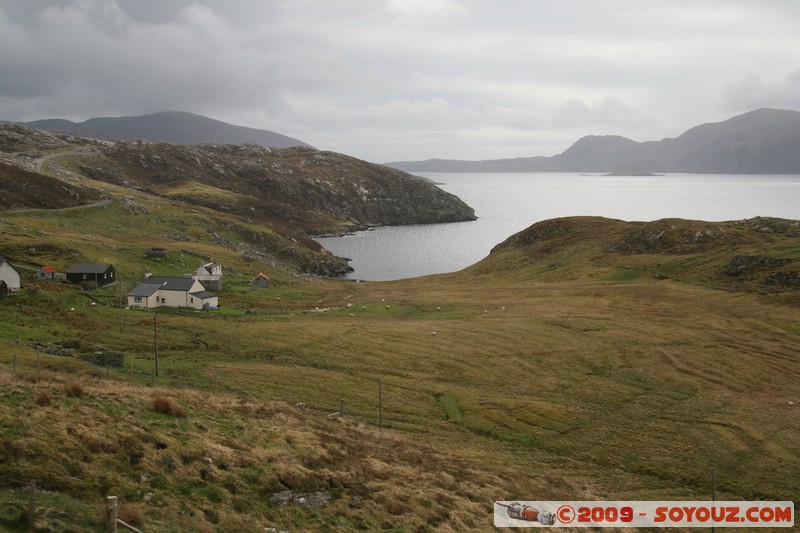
[[507, 203]]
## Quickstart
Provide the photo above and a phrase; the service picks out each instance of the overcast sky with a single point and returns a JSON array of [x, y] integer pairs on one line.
[[406, 79]]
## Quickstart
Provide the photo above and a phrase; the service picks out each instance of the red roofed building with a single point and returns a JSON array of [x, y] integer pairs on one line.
[[262, 280], [46, 273]]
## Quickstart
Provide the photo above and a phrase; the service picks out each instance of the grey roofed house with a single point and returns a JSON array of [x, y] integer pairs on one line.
[[144, 289], [171, 291], [170, 283]]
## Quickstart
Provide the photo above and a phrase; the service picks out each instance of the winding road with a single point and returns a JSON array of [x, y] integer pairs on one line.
[[40, 161], [37, 167]]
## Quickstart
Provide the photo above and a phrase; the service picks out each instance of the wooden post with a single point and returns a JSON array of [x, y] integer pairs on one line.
[[32, 504], [130, 374], [155, 341], [380, 404], [341, 407], [14, 366], [119, 281], [111, 514]]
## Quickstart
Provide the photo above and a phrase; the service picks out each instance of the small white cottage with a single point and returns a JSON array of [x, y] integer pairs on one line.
[[210, 275], [10, 275]]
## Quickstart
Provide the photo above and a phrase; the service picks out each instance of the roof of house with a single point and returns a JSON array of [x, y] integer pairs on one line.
[[203, 295], [4, 260], [48, 269], [144, 289], [261, 275], [172, 283], [88, 268], [209, 267]]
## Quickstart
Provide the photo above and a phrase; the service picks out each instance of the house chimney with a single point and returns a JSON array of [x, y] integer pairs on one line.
[[147, 274]]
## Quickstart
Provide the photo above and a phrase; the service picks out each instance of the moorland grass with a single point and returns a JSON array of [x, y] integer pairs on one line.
[[567, 376]]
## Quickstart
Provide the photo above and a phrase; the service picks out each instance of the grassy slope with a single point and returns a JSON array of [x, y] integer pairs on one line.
[[553, 374]]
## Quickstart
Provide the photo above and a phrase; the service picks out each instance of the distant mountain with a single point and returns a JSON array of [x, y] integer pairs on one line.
[[169, 126], [765, 141]]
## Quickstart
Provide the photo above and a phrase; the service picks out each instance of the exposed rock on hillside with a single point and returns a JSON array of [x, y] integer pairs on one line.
[[669, 236], [294, 192], [312, 190]]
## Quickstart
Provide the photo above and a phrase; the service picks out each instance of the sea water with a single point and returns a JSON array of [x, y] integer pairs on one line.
[[507, 203]]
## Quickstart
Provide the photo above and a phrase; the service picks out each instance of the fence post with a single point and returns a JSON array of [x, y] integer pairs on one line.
[[341, 407], [111, 514], [380, 403], [32, 504], [14, 367]]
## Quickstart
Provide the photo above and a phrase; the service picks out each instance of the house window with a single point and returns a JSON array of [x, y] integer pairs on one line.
[[191, 300], [163, 300], [137, 299]]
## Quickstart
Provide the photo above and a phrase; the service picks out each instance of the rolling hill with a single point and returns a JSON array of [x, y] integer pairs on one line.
[[764, 141], [168, 126], [272, 199]]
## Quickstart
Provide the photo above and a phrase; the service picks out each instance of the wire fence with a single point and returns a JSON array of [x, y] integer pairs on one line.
[[26, 505], [36, 503]]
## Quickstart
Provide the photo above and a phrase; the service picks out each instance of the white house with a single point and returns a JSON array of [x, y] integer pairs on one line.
[[210, 275], [171, 291], [10, 275]]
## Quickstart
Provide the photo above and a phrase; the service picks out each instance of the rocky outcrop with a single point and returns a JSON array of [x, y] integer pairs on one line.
[[302, 188], [745, 265]]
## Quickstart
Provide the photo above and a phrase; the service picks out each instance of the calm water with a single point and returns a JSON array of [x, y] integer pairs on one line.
[[508, 203]]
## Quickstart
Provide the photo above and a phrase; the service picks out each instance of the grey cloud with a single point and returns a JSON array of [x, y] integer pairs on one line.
[[405, 79], [752, 92], [608, 112]]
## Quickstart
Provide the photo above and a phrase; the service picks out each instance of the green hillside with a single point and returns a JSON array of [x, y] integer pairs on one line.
[[561, 368]]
